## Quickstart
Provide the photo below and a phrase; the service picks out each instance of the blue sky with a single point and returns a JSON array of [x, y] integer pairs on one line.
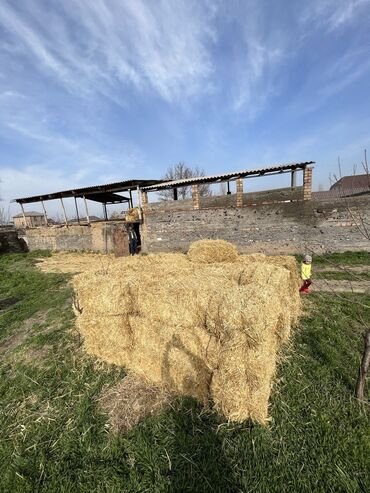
[[99, 91]]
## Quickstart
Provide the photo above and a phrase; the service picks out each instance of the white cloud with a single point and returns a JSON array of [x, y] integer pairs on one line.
[[332, 14], [104, 46]]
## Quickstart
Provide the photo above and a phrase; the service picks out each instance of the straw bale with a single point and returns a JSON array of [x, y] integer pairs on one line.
[[132, 215], [210, 251], [209, 330]]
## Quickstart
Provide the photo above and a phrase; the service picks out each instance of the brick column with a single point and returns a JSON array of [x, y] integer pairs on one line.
[[144, 199], [195, 196], [239, 192], [307, 183]]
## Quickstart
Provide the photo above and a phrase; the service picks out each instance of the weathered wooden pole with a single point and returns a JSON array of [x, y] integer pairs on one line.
[[131, 203], [87, 210], [24, 215], [64, 212], [175, 197], [77, 215], [45, 215], [105, 211]]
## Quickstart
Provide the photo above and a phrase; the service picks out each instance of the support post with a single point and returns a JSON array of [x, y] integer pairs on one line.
[[144, 198], [105, 211], [293, 181], [307, 183], [131, 203], [77, 215], [45, 215], [195, 197], [139, 203], [175, 197], [228, 188], [64, 212], [24, 216], [239, 192], [87, 210]]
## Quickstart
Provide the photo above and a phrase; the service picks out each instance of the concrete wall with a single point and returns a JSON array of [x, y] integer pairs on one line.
[[96, 237], [10, 242], [272, 228]]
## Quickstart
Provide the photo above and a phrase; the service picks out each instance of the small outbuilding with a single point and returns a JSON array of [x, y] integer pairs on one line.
[[29, 219]]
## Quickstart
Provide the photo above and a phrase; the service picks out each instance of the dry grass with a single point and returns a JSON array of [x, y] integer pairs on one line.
[[71, 262], [209, 330], [131, 400]]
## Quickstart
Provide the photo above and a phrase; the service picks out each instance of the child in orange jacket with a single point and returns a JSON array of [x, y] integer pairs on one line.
[[306, 268]]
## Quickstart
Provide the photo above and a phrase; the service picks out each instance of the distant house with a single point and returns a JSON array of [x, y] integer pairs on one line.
[[30, 219], [355, 182]]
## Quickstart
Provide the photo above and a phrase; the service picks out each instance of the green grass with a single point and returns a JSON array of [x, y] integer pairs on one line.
[[346, 258], [343, 275], [53, 439]]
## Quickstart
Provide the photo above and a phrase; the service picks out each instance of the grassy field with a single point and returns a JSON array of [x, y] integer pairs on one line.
[[54, 439]]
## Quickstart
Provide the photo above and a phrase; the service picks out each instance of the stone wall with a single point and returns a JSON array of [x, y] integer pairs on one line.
[[10, 242], [94, 237], [286, 227]]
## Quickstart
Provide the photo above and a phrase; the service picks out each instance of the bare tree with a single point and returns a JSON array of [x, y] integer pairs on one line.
[[181, 171], [359, 219], [4, 216]]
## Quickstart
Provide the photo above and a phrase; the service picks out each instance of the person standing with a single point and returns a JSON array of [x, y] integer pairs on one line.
[[132, 240], [306, 271]]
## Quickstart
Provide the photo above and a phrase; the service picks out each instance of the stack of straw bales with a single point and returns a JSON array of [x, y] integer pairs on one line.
[[211, 330]]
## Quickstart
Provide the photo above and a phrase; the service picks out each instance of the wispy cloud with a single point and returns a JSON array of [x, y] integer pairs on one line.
[[159, 46]]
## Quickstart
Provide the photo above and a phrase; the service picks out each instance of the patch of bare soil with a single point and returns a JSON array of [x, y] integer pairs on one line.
[[130, 401], [341, 286], [35, 357], [12, 342]]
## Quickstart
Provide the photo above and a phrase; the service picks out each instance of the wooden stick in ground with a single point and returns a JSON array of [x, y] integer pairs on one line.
[[360, 385]]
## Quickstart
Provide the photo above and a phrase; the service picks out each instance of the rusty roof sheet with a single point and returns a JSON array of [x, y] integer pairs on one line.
[[119, 186], [228, 176]]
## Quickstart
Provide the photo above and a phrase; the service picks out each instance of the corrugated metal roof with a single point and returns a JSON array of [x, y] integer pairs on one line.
[[228, 176], [119, 186]]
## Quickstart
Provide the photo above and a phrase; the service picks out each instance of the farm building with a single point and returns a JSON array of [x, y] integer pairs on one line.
[[30, 219], [271, 221]]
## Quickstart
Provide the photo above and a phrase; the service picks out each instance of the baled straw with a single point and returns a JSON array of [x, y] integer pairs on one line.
[[211, 251], [132, 215], [209, 330]]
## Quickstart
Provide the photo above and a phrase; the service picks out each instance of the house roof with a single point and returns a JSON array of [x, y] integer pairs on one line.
[[29, 214], [350, 182]]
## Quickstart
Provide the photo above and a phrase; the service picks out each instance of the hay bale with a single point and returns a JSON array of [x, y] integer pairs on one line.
[[132, 215], [209, 330], [212, 251]]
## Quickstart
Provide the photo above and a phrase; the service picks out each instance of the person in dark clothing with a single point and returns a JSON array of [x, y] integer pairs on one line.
[[132, 240]]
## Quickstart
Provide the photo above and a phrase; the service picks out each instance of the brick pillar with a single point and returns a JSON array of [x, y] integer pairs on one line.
[[195, 196], [239, 192], [307, 183], [144, 199]]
